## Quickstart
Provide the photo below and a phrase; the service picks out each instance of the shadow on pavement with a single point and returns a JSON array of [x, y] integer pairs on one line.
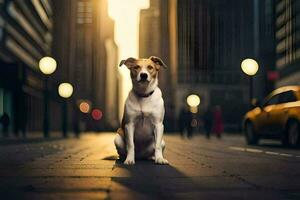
[[149, 180]]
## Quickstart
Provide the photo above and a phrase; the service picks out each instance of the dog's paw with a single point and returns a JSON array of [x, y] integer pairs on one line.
[[129, 161], [161, 161]]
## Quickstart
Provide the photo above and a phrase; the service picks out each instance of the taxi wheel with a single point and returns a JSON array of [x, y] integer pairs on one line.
[[293, 133], [251, 136]]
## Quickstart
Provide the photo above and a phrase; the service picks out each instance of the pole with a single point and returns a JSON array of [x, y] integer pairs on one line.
[[64, 118], [46, 113], [250, 90]]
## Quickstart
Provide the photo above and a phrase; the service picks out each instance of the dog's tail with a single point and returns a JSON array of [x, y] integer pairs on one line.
[[120, 131]]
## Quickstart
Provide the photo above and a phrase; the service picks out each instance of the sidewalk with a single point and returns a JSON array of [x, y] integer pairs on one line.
[[86, 168]]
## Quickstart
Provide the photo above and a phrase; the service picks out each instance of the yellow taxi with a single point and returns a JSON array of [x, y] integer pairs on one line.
[[277, 117]]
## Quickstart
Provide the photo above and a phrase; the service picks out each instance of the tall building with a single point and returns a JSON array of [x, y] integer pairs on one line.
[[84, 45], [25, 37], [214, 36], [287, 42], [265, 44], [155, 40], [203, 42]]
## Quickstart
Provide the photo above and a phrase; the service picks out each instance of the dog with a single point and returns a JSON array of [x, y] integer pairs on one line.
[[141, 132]]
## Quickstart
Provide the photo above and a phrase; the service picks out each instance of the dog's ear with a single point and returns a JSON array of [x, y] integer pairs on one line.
[[129, 62], [158, 62]]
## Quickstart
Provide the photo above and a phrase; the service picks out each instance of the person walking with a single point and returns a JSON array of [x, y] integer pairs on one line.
[[218, 126], [4, 120], [184, 121]]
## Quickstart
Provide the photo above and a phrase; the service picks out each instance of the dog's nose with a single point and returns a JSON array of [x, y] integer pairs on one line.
[[144, 76]]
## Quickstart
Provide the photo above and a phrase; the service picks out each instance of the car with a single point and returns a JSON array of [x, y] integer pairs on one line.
[[277, 117]]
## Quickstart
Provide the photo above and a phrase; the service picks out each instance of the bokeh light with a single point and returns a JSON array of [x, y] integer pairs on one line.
[[65, 90], [97, 114], [249, 66], [194, 109], [84, 107], [47, 65], [193, 100]]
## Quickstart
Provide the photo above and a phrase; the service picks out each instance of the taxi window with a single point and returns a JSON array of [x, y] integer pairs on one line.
[[272, 101], [286, 97]]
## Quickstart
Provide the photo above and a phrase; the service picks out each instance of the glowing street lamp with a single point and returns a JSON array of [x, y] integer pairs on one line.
[[47, 66], [193, 102], [65, 90], [250, 67], [84, 107]]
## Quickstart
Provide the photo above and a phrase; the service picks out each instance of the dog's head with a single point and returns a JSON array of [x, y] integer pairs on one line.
[[143, 70]]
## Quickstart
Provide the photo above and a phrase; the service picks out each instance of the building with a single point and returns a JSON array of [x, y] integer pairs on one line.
[[79, 35], [25, 37], [84, 45], [287, 42], [214, 36], [155, 40], [265, 44], [205, 40], [204, 43]]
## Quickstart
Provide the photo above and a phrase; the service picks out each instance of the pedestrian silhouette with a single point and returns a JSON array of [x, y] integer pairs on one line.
[[208, 121], [4, 120], [218, 126], [185, 122]]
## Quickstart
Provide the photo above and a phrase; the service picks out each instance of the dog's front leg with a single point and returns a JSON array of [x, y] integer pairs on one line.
[[158, 131], [129, 127]]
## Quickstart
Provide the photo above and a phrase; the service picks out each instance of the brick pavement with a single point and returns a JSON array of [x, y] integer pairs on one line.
[[86, 168]]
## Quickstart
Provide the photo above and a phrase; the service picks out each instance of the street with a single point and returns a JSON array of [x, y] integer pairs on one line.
[[87, 168]]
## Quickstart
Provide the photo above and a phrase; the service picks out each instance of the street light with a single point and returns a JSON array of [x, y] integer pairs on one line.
[[250, 67], [84, 107], [47, 65], [65, 90], [193, 101]]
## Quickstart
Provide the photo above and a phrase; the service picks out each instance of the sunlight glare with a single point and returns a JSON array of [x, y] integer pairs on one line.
[[126, 15]]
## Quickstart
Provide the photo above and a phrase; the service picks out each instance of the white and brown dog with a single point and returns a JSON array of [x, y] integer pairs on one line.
[[141, 132]]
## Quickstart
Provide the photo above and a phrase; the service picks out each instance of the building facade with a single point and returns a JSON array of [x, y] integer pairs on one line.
[[84, 45], [214, 37], [287, 24], [25, 37], [156, 27], [79, 35], [204, 41]]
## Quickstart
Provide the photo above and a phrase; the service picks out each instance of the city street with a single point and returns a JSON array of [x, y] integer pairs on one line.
[[87, 168]]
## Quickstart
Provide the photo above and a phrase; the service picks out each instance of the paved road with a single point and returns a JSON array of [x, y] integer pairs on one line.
[[199, 169]]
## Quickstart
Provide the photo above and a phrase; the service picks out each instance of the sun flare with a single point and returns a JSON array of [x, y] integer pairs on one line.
[[126, 15]]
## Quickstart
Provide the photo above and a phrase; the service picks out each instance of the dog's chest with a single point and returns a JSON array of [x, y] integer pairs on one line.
[[144, 129], [143, 109]]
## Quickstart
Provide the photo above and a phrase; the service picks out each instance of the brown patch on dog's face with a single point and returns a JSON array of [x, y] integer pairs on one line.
[[148, 67], [152, 70], [143, 67], [135, 70]]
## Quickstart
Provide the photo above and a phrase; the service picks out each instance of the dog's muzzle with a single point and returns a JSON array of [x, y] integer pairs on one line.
[[144, 76]]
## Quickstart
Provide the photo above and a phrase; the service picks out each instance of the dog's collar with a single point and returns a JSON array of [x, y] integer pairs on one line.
[[143, 95]]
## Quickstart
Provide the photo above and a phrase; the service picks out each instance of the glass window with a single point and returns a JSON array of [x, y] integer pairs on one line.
[[286, 97], [272, 100]]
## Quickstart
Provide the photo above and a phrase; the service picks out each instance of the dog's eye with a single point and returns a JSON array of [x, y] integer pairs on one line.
[[136, 67], [150, 67]]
